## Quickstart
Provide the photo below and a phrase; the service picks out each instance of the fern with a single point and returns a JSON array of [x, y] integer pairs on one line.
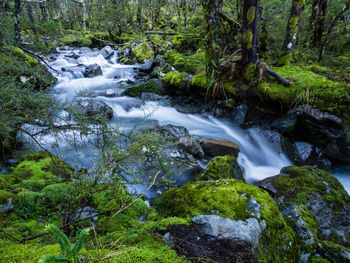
[[68, 254]]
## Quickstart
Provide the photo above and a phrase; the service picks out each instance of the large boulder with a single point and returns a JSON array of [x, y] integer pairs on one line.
[[92, 71], [212, 147], [317, 207], [231, 209], [92, 108]]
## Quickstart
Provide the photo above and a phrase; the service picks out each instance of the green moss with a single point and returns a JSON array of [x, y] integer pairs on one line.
[[285, 59], [293, 22], [230, 88], [4, 196], [303, 183], [248, 38], [307, 87], [192, 64], [175, 79], [143, 52], [251, 14], [229, 198], [199, 81], [13, 252], [249, 71], [150, 86], [221, 167], [77, 38], [166, 223]]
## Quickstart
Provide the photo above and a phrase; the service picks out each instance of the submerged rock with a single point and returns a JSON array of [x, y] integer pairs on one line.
[[92, 108], [92, 71], [107, 52], [212, 147]]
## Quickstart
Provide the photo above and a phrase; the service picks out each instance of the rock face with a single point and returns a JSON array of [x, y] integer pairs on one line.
[[107, 52], [92, 108], [222, 167], [324, 130], [216, 226], [214, 148], [317, 207], [191, 144], [92, 71], [233, 209], [303, 153], [173, 132]]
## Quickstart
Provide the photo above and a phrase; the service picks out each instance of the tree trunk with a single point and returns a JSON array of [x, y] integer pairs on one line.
[[17, 26], [2, 12], [318, 16], [212, 52], [31, 15], [139, 14], [296, 11], [250, 18], [330, 29]]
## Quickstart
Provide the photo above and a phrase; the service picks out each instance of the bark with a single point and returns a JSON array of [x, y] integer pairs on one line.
[[296, 11], [331, 27], [17, 26], [250, 18], [139, 14], [31, 15], [212, 9], [317, 20], [2, 12]]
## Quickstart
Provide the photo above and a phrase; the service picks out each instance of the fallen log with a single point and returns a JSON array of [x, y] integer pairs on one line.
[[263, 67], [160, 33]]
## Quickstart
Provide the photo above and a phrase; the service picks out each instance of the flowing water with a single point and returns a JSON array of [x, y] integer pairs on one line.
[[260, 156]]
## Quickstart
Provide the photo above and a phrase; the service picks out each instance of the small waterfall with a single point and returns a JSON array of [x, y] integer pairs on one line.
[[261, 155]]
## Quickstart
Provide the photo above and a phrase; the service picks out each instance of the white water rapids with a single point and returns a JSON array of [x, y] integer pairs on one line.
[[260, 156]]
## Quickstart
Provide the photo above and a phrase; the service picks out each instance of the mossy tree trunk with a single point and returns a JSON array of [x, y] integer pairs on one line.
[[318, 16], [31, 15], [250, 18], [331, 27], [17, 26], [291, 38], [212, 9], [139, 13]]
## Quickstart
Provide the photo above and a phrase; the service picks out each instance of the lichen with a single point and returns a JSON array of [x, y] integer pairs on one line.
[[251, 14], [248, 39]]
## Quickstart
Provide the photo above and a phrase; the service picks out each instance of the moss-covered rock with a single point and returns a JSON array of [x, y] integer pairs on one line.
[[315, 205], [191, 64], [150, 86], [229, 199], [222, 167], [176, 83], [142, 52], [307, 87]]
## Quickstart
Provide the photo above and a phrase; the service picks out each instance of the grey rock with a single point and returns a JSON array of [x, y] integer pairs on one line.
[[92, 71], [253, 207], [150, 96], [191, 144], [92, 107], [6, 207], [110, 93], [239, 114], [219, 227], [168, 240], [214, 148], [148, 66], [107, 52], [173, 131]]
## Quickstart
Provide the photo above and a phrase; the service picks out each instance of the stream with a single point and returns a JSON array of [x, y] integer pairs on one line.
[[261, 155]]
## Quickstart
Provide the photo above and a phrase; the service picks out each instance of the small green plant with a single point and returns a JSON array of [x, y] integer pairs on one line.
[[69, 253]]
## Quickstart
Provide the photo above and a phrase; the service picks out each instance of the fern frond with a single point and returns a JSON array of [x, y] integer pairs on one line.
[[53, 259], [61, 239], [80, 241]]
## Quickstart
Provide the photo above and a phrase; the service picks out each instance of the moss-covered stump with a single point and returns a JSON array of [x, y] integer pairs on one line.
[[236, 202], [317, 207], [307, 87], [222, 167], [152, 85]]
